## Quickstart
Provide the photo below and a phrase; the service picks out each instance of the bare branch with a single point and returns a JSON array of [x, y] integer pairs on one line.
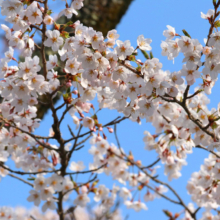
[[27, 173], [22, 180], [88, 171], [115, 121], [151, 165], [210, 151]]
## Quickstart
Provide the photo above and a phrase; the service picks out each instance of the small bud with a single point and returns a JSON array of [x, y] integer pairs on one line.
[[110, 130], [95, 183], [98, 138], [168, 213], [92, 106], [138, 162], [104, 136], [176, 215], [130, 156], [75, 92], [68, 84], [54, 159], [87, 185], [57, 26], [140, 187], [138, 68]]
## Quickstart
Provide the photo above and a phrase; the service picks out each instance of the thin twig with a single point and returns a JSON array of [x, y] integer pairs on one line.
[[27, 173], [22, 180], [151, 165], [88, 171]]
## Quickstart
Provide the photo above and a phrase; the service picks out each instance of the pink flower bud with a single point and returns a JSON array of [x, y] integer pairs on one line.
[[68, 84], [92, 106], [75, 92], [42, 9], [110, 130], [100, 128], [98, 138], [84, 189], [54, 159], [104, 136]]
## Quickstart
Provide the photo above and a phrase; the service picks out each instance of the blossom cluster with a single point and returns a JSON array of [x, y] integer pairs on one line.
[[20, 213], [105, 67], [204, 185]]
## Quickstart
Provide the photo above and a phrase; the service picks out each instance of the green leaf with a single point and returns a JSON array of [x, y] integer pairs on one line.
[[151, 55], [186, 33], [69, 23], [217, 24], [214, 125], [94, 117], [68, 90], [31, 179], [49, 12], [198, 110], [168, 213], [145, 54], [64, 34], [65, 96], [71, 178], [131, 58]]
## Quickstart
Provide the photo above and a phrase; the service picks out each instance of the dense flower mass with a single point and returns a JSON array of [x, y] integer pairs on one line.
[[83, 65]]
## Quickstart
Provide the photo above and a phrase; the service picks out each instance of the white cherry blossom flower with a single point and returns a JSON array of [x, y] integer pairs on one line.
[[54, 40], [144, 43], [77, 166], [124, 49]]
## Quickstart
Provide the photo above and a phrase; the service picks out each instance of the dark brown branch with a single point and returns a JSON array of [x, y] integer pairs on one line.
[[194, 94], [75, 143], [64, 113], [37, 46], [115, 121], [79, 148], [61, 106], [210, 151], [132, 69], [83, 141], [36, 27], [71, 132], [151, 165]]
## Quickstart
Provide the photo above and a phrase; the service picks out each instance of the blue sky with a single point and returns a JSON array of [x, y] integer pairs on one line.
[[149, 18]]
